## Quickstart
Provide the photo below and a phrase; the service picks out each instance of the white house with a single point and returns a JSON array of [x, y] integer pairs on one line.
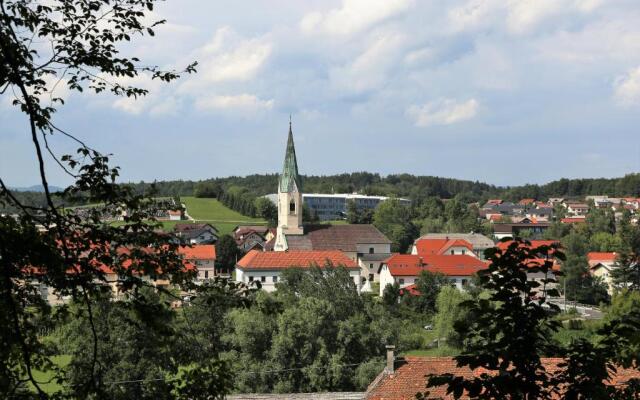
[[203, 257], [266, 267], [479, 243], [602, 264], [405, 269]]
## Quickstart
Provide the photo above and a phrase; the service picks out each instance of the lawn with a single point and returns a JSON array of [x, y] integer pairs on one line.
[[220, 216], [44, 377]]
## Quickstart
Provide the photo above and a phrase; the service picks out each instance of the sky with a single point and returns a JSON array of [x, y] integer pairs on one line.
[[501, 91]]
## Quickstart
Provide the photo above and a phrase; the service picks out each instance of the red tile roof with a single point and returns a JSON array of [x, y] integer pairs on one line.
[[409, 378], [296, 258], [534, 243], [494, 201], [525, 202], [411, 290], [602, 256], [451, 265], [198, 252], [573, 220], [426, 247]]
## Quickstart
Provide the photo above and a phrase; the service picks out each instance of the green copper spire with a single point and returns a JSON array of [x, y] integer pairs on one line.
[[290, 180]]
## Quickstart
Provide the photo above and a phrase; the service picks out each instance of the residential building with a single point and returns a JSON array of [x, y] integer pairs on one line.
[[404, 269], [501, 231], [200, 233], [253, 237], [479, 243], [446, 246], [266, 267], [601, 264], [574, 220], [577, 209], [203, 257], [538, 260]]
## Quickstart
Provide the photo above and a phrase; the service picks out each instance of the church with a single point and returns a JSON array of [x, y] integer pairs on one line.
[[299, 245]]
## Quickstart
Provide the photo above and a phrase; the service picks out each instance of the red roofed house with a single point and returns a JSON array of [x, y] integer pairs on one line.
[[574, 220], [536, 276], [436, 246], [265, 267], [601, 264], [405, 269], [203, 257], [403, 378], [526, 202]]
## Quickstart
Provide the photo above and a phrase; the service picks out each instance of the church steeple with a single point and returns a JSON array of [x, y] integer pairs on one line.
[[290, 179], [289, 198]]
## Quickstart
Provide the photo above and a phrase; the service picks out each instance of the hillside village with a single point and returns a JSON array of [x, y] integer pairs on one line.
[[458, 216], [267, 258]]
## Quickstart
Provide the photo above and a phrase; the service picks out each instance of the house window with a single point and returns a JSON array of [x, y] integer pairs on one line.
[[251, 279], [464, 282], [275, 279], [453, 252], [371, 250], [370, 277], [401, 281], [263, 279], [206, 274], [370, 266], [464, 252]]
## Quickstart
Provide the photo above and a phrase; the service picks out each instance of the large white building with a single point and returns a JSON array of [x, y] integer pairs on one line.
[[334, 206]]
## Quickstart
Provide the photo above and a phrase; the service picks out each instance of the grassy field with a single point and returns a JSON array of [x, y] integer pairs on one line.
[[214, 212], [45, 377]]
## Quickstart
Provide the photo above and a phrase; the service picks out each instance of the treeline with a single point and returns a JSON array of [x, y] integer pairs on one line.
[[416, 188], [410, 186]]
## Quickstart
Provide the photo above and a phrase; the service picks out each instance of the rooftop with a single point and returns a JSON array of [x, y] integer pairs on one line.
[[255, 259]]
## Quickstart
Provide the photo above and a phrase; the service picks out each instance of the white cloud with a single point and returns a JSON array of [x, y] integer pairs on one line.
[[627, 88], [442, 112], [245, 102], [353, 16], [519, 16], [229, 58], [369, 69], [133, 105]]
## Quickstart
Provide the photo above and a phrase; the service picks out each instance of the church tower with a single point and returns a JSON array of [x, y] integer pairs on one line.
[[289, 198]]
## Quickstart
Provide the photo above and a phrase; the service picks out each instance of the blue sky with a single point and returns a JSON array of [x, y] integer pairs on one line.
[[501, 91]]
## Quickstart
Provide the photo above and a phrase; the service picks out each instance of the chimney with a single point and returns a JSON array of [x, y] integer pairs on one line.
[[390, 368]]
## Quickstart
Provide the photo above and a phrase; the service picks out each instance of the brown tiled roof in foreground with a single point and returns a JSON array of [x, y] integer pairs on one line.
[[409, 377]]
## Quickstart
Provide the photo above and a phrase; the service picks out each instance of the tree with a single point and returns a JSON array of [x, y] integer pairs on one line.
[[82, 52], [395, 221], [267, 210], [227, 253], [428, 284], [510, 328], [448, 313], [207, 189]]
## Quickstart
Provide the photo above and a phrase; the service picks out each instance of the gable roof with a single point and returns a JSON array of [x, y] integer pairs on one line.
[[450, 265], [182, 227], [336, 237], [477, 240], [286, 259], [198, 252], [426, 247], [595, 257], [409, 377]]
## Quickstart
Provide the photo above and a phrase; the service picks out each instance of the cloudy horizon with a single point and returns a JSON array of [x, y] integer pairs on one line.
[[503, 92]]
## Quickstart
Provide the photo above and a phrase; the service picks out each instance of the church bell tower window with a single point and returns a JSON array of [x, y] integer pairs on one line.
[[292, 207]]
